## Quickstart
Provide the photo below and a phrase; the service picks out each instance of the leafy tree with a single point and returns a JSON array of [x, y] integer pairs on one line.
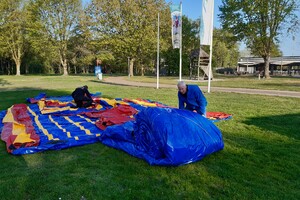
[[84, 49], [59, 20], [258, 22], [171, 62], [225, 53], [190, 41], [42, 53], [190, 34], [12, 29], [129, 28]]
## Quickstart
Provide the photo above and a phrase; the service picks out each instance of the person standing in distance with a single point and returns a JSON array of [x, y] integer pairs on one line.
[[190, 97]]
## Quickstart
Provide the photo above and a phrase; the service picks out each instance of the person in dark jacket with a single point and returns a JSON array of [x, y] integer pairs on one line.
[[82, 97], [190, 97]]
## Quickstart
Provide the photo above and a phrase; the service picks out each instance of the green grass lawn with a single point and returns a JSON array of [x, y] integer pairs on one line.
[[261, 158], [275, 83]]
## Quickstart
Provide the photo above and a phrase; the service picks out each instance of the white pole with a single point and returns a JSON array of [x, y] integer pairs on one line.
[[180, 49], [157, 65], [210, 48], [199, 57], [281, 66]]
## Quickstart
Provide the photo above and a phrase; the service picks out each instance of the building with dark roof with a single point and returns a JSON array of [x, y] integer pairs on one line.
[[289, 65]]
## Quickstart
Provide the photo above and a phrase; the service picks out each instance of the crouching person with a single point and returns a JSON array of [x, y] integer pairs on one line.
[[190, 97], [82, 97]]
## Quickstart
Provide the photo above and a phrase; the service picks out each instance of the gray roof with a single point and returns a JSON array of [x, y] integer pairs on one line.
[[195, 54]]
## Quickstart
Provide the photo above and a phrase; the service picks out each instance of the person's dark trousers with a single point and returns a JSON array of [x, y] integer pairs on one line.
[[88, 102], [79, 103], [84, 102]]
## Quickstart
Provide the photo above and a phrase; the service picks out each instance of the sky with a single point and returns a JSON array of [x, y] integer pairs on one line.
[[192, 9]]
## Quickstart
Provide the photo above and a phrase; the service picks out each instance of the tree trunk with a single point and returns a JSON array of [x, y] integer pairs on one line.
[[59, 69], [75, 68], [142, 70], [63, 59], [267, 65], [65, 67], [27, 69], [17, 58], [131, 66], [18, 65], [68, 68]]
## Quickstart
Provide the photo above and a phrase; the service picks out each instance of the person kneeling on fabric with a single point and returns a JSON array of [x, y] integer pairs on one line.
[[190, 97], [82, 97]]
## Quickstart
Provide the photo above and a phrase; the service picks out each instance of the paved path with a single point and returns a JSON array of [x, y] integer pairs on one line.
[[119, 80]]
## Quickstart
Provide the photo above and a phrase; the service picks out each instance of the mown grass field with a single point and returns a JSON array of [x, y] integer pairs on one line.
[[251, 82], [261, 158]]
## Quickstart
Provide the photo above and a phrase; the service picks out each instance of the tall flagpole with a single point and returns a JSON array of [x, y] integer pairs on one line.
[[180, 49], [199, 57], [210, 48], [157, 61]]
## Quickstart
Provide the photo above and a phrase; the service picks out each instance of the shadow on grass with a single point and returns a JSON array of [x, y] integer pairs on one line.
[[4, 82], [115, 74], [285, 77], [19, 95], [59, 75], [118, 84], [281, 84], [287, 125]]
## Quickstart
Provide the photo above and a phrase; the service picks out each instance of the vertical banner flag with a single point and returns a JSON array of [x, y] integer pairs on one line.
[[176, 25], [206, 22]]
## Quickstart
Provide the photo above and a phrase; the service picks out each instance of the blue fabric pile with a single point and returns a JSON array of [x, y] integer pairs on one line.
[[166, 136]]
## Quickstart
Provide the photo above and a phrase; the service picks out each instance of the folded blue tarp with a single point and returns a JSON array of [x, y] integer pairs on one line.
[[166, 136]]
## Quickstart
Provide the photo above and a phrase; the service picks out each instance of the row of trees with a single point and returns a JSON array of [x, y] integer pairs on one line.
[[54, 36], [259, 23]]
